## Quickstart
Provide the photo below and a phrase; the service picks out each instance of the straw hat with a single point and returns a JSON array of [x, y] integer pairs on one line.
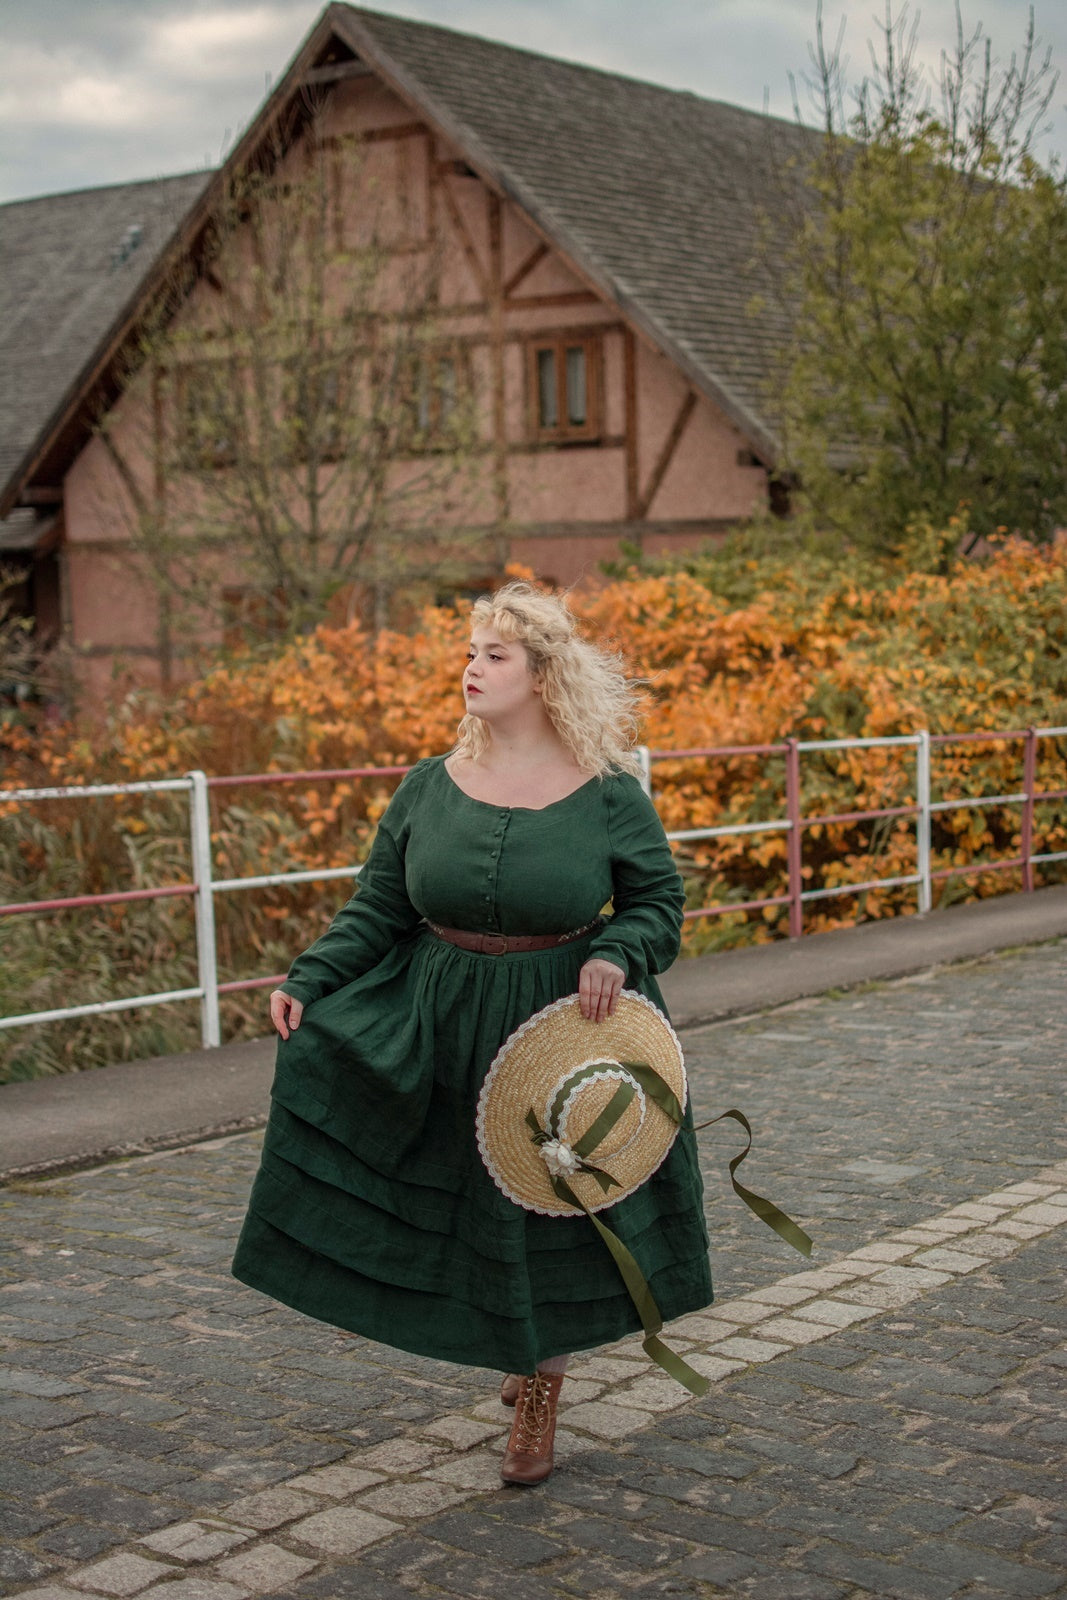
[[580, 1104]]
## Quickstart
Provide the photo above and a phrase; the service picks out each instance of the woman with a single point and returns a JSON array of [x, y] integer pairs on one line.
[[478, 905]]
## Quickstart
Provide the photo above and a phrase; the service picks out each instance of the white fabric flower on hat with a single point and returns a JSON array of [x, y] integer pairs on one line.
[[559, 1158]]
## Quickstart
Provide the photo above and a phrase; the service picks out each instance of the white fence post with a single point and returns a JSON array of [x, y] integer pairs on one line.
[[204, 907], [922, 821], [641, 751]]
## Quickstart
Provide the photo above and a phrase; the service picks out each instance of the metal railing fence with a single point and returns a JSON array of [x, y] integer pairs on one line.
[[204, 888], [794, 823], [924, 809]]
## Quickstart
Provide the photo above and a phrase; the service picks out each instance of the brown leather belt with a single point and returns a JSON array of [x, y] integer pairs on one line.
[[503, 944]]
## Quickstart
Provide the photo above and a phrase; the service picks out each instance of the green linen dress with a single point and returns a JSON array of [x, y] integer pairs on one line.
[[372, 1209]]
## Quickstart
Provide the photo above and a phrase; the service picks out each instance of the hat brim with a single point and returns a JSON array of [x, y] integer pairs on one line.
[[526, 1075]]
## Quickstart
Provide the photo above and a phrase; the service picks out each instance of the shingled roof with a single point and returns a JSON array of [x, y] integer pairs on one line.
[[70, 264], [657, 197]]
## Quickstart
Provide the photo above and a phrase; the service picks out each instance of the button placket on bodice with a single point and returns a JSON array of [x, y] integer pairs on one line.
[[494, 856]]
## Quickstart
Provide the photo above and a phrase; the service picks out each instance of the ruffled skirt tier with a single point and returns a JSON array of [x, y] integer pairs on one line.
[[372, 1209]]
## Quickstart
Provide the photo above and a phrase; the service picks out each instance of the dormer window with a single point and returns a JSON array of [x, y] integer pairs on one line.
[[564, 379]]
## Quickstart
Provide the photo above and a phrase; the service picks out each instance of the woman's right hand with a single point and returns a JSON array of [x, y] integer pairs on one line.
[[285, 1012]]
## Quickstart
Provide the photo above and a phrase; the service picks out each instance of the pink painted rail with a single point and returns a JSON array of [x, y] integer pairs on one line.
[[793, 823]]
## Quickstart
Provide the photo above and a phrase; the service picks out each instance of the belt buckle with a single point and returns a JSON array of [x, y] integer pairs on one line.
[[502, 937]]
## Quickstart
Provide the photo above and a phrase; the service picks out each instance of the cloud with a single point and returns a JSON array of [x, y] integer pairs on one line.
[[95, 101], [103, 91], [66, 90], [123, 90], [221, 44]]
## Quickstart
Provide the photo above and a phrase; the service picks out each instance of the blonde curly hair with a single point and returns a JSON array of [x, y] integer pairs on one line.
[[593, 706]]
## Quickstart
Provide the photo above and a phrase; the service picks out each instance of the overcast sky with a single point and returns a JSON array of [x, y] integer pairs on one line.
[[104, 91]]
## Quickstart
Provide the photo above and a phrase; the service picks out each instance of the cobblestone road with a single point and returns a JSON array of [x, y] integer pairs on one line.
[[886, 1422]]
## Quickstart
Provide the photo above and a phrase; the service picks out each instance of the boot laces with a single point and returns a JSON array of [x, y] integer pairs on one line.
[[535, 1415]]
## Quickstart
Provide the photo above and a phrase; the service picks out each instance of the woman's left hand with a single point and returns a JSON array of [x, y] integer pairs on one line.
[[598, 989]]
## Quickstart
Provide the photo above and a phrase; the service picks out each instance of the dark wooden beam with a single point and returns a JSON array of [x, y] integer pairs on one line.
[[41, 496], [536, 255], [454, 169], [338, 72], [685, 528], [394, 130], [481, 277], [565, 297], [537, 447], [629, 359], [666, 455], [495, 229]]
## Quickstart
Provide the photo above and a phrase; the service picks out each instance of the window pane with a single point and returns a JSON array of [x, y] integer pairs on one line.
[[576, 384], [547, 408], [331, 411], [422, 395], [446, 388]]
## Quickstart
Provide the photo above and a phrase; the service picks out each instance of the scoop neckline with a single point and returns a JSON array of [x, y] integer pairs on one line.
[[534, 811]]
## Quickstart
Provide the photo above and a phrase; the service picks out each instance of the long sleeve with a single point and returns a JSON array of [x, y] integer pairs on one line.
[[369, 925], [644, 934]]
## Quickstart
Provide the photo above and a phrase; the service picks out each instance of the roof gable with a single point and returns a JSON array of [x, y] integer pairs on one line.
[[659, 197], [655, 196]]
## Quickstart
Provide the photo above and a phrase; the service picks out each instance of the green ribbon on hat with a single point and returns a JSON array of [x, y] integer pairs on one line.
[[636, 1283], [766, 1210], [641, 1295]]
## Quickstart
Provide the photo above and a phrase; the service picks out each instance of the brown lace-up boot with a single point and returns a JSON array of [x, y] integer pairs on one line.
[[528, 1458], [509, 1389]]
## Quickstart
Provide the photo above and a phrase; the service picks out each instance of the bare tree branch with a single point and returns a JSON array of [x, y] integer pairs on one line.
[[317, 428]]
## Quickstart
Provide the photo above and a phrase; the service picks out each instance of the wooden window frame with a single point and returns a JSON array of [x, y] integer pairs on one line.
[[435, 434], [332, 439], [193, 447], [565, 431]]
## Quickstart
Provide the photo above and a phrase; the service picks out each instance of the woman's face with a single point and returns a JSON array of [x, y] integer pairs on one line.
[[498, 685]]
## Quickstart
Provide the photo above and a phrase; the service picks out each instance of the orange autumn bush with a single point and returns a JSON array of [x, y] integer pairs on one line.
[[734, 650], [835, 648]]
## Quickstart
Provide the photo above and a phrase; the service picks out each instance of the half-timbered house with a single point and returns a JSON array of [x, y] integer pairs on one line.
[[601, 244]]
